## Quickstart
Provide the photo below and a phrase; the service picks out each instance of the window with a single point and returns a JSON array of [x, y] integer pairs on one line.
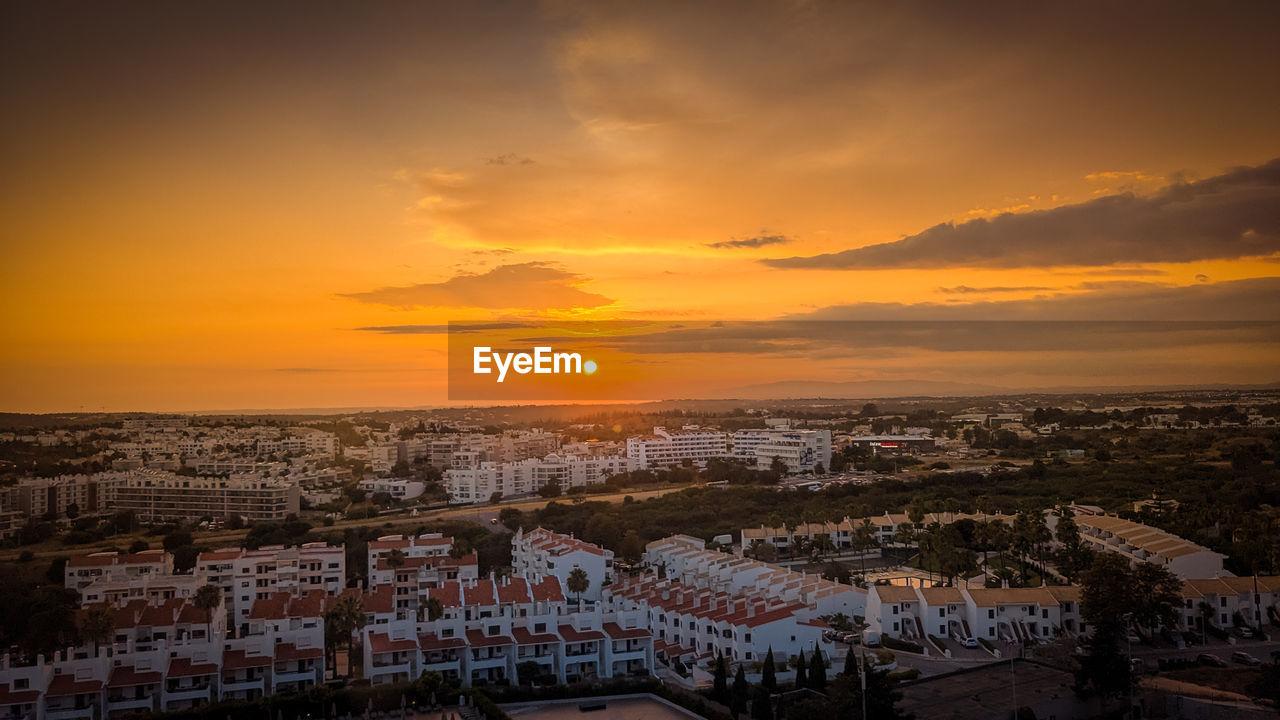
[[991, 614], [991, 632], [1044, 613], [942, 612]]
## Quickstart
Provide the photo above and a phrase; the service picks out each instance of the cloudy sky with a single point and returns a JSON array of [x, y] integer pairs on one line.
[[239, 204]]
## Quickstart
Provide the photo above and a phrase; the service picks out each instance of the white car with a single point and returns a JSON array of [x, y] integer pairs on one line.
[[969, 642]]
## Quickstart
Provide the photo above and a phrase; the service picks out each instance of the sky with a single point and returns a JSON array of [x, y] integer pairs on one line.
[[271, 205]]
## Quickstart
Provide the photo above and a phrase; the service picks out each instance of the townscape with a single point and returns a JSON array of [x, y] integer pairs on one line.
[[735, 559]]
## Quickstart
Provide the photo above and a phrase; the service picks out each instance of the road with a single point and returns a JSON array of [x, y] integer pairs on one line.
[[479, 514]]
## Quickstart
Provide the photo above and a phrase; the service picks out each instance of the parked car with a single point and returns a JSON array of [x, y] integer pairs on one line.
[[969, 642], [1133, 638], [1243, 658], [1210, 659], [1245, 632], [871, 639]]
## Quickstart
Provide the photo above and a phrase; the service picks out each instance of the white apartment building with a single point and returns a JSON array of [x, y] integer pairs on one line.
[[666, 448], [397, 488], [695, 624], [157, 496], [426, 545], [83, 570], [686, 559], [1142, 543], [543, 552], [478, 483], [801, 450], [249, 576], [490, 627]]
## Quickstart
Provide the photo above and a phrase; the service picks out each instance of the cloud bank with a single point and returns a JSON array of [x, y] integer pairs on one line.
[[531, 285], [1233, 215]]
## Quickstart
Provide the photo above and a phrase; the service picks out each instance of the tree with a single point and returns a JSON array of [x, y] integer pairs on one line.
[[550, 490], [631, 548], [578, 583], [818, 672], [762, 550], [139, 546], [720, 682], [864, 538], [341, 621], [73, 511], [395, 559], [1113, 596], [495, 497], [802, 674], [740, 692], [433, 609], [768, 673], [98, 626], [761, 704], [207, 598]]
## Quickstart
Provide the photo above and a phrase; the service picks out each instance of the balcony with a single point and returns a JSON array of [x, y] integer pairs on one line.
[[68, 712], [122, 704], [240, 688]]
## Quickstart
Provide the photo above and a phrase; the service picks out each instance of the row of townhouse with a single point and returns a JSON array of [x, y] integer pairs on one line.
[[883, 528], [110, 565], [490, 631], [168, 656], [686, 559], [1142, 543], [1229, 601], [693, 624], [249, 576], [479, 482], [1021, 615], [1012, 615], [543, 552]]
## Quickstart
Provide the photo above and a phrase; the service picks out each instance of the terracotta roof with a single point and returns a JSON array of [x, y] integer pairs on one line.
[[63, 685], [617, 632], [572, 634], [481, 593], [895, 593], [475, 638], [548, 590], [381, 599], [217, 556], [288, 652], [524, 637], [238, 660], [433, 642], [273, 607], [382, 643], [450, 595], [989, 597], [183, 667], [127, 676], [17, 697], [515, 590], [942, 595]]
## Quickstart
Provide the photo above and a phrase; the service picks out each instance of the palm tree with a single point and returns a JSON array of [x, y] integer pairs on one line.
[[864, 538], [207, 598], [578, 583], [434, 610], [341, 621], [395, 559], [98, 626]]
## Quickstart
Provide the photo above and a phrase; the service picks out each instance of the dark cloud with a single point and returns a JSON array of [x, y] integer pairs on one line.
[[1233, 215], [1254, 299], [532, 285], [966, 290], [440, 329], [751, 242], [509, 159]]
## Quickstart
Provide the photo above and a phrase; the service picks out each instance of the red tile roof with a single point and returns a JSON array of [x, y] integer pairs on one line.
[[63, 685], [572, 634], [382, 643], [481, 593], [548, 590], [475, 638], [450, 595], [17, 697], [273, 607], [183, 667], [432, 642], [617, 632], [525, 637], [288, 652], [515, 590], [127, 676], [238, 660]]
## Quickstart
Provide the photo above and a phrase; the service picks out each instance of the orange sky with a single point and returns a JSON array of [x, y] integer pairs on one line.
[[203, 206]]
